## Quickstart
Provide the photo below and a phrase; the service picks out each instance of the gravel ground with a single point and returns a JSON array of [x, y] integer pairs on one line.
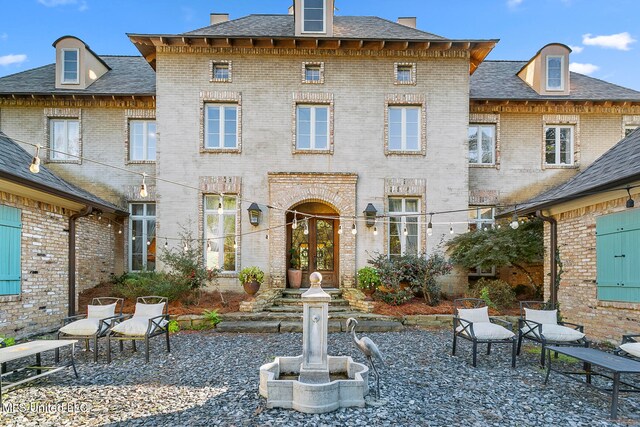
[[212, 379]]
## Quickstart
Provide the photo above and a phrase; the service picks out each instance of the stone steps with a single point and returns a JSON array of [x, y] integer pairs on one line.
[[298, 309], [298, 302], [334, 326]]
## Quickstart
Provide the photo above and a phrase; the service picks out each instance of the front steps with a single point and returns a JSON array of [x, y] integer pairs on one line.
[[285, 315]]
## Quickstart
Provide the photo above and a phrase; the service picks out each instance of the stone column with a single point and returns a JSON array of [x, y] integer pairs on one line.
[[315, 367]]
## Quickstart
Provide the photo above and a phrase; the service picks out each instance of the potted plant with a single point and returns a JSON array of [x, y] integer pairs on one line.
[[251, 279], [294, 274], [368, 280]]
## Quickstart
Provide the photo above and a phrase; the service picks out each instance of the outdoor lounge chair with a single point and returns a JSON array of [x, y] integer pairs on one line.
[[149, 320], [539, 323], [630, 347], [471, 321], [102, 313]]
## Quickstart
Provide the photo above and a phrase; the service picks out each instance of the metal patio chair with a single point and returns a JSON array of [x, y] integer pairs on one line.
[[630, 347], [471, 321], [149, 320], [539, 323], [102, 314]]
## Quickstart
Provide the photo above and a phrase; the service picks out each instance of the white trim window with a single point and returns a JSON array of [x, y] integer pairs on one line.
[[142, 235], [558, 145], [404, 128], [404, 229], [64, 139], [221, 71], [221, 126], [313, 16], [312, 73], [70, 66], [312, 127], [220, 232], [142, 140], [555, 72], [482, 144]]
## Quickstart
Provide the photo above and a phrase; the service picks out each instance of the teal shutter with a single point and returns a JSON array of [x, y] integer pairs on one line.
[[10, 232], [618, 256]]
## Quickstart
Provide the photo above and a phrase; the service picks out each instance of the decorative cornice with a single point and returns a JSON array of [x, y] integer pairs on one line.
[[47, 101], [551, 108]]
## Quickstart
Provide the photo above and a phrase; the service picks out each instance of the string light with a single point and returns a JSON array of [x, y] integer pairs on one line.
[[375, 230], [35, 163], [430, 225], [143, 186], [186, 247], [166, 244], [405, 231], [354, 229], [109, 224], [148, 243], [235, 244], [208, 245], [306, 227], [220, 208], [294, 225], [340, 229], [450, 228], [133, 237], [120, 230]]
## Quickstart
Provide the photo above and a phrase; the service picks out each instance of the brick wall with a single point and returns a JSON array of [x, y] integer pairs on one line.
[[43, 300], [602, 320]]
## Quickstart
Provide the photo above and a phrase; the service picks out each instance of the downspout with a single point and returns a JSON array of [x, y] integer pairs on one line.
[[72, 257], [553, 253]]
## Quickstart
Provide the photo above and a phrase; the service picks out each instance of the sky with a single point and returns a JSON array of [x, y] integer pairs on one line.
[[603, 34]]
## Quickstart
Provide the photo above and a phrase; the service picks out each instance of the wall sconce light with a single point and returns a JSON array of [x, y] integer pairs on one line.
[[370, 215], [254, 213]]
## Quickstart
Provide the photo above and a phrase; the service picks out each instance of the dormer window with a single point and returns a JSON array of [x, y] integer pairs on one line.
[[70, 66], [555, 72], [313, 14]]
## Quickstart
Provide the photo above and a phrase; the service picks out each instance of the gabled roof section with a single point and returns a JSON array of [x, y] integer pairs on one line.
[[86, 46], [498, 80], [128, 75], [14, 167], [617, 167], [278, 31]]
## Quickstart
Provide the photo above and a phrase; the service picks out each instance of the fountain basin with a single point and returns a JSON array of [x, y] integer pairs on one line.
[[314, 398]]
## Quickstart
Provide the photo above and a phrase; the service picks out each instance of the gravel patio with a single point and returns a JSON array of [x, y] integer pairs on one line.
[[211, 379]]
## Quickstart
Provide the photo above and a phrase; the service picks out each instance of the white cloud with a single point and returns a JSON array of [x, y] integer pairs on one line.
[[512, 4], [587, 69], [12, 59], [620, 41], [82, 4], [576, 49]]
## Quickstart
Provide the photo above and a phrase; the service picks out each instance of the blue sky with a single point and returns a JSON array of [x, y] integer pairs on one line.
[[603, 34]]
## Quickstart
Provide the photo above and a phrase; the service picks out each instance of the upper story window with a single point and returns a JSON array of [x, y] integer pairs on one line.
[[221, 126], [482, 144], [481, 218], [555, 72], [558, 145], [312, 127], [221, 71], [405, 74], [220, 231], [142, 140], [404, 128], [313, 16], [64, 139], [70, 66], [404, 229], [313, 72]]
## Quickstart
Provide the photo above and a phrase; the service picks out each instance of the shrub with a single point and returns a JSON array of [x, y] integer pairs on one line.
[[7, 341], [249, 274], [368, 278], [496, 293], [173, 326], [394, 296], [212, 317], [153, 283]]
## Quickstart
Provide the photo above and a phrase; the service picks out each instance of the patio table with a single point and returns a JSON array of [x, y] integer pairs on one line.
[[19, 351], [617, 365]]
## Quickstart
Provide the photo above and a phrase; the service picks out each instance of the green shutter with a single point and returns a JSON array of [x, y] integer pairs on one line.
[[618, 256], [10, 232]]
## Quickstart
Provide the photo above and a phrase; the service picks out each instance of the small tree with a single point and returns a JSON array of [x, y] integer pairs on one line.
[[500, 247]]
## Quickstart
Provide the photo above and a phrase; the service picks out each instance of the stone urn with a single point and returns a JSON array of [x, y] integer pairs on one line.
[[251, 287], [295, 278]]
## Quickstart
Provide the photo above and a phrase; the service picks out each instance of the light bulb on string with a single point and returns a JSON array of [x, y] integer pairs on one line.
[[133, 237], [514, 221], [375, 231], [430, 226], [405, 231], [120, 230], [148, 242], [143, 186], [354, 229], [294, 225], [166, 244], [186, 247], [35, 163], [235, 244], [340, 229], [450, 228], [220, 208], [306, 227], [109, 224], [208, 245]]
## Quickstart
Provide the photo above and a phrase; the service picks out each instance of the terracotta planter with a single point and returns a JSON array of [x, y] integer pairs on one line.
[[368, 292], [295, 278], [251, 287]]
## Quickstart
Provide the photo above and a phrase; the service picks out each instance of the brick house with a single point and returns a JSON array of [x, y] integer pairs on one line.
[[315, 118], [55, 241], [595, 223]]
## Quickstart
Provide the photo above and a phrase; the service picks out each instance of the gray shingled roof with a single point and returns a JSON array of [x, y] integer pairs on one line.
[[617, 167], [345, 27], [499, 80], [129, 75], [14, 166]]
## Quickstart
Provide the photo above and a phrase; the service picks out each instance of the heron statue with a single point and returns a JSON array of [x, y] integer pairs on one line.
[[368, 348]]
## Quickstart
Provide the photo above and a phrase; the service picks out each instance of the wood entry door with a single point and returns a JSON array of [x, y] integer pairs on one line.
[[317, 250]]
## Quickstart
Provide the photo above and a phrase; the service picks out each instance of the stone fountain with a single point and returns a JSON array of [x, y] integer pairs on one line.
[[314, 382]]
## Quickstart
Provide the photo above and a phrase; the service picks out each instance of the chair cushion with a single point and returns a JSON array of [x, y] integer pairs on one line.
[[489, 331], [136, 326], [633, 348], [546, 317], [101, 311], [148, 310], [474, 315], [81, 327], [557, 333]]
